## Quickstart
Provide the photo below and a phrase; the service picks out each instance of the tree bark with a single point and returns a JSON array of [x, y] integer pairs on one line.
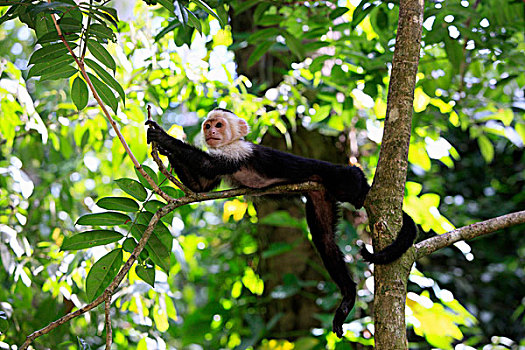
[[384, 202]]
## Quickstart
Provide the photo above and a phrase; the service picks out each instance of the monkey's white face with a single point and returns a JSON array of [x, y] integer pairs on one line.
[[217, 132]]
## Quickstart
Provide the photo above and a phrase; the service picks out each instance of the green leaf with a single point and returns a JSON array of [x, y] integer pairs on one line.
[[4, 324], [104, 92], [161, 231], [486, 148], [294, 45], [49, 66], [102, 273], [90, 239], [259, 51], [180, 12], [109, 13], [172, 191], [170, 27], [168, 5], [270, 20], [109, 218], [107, 78], [194, 21], [454, 52], [118, 203], [50, 52], [209, 10], [129, 246], [133, 188], [277, 248], [70, 25], [101, 54], [79, 93], [53, 36], [281, 218], [101, 31], [153, 205], [11, 13], [62, 72], [245, 5], [157, 251], [338, 12], [151, 173], [360, 14], [85, 139], [146, 273], [266, 34], [50, 7]]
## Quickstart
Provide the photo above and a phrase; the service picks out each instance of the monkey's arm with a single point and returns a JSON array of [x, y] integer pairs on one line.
[[197, 169]]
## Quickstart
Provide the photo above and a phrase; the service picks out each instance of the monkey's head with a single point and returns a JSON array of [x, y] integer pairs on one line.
[[223, 127]]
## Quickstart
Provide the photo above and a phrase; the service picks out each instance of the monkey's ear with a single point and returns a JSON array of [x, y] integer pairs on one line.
[[244, 128]]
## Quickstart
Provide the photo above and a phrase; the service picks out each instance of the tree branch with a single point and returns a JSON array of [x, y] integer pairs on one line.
[[109, 331], [385, 199], [81, 66], [477, 229], [172, 205]]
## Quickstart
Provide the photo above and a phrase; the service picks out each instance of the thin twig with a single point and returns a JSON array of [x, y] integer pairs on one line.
[[477, 229], [162, 168], [82, 68], [109, 330]]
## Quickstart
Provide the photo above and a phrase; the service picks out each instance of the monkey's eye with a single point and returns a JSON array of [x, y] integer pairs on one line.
[[218, 125], [207, 126]]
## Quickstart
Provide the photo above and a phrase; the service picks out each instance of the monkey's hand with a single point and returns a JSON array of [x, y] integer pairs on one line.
[[153, 124], [159, 136]]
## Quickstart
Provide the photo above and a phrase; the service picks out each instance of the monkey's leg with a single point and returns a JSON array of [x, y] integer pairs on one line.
[[321, 215]]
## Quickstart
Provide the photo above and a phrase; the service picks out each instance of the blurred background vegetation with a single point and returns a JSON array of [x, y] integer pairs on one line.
[[311, 78]]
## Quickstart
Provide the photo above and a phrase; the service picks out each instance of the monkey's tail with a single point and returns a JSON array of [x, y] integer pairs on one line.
[[404, 240]]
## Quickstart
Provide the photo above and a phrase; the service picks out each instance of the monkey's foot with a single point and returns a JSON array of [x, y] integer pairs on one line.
[[340, 315]]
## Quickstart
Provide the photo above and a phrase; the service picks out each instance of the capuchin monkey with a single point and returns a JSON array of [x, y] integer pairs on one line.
[[243, 163]]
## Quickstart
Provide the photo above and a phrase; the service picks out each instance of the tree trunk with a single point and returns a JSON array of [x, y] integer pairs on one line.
[[384, 202]]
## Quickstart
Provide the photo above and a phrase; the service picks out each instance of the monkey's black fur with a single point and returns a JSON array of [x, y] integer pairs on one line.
[[263, 166]]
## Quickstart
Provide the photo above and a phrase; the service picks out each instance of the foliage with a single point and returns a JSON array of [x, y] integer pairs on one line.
[[198, 281]]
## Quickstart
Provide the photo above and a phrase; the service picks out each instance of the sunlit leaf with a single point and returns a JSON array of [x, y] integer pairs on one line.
[[252, 281], [486, 148], [234, 208]]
